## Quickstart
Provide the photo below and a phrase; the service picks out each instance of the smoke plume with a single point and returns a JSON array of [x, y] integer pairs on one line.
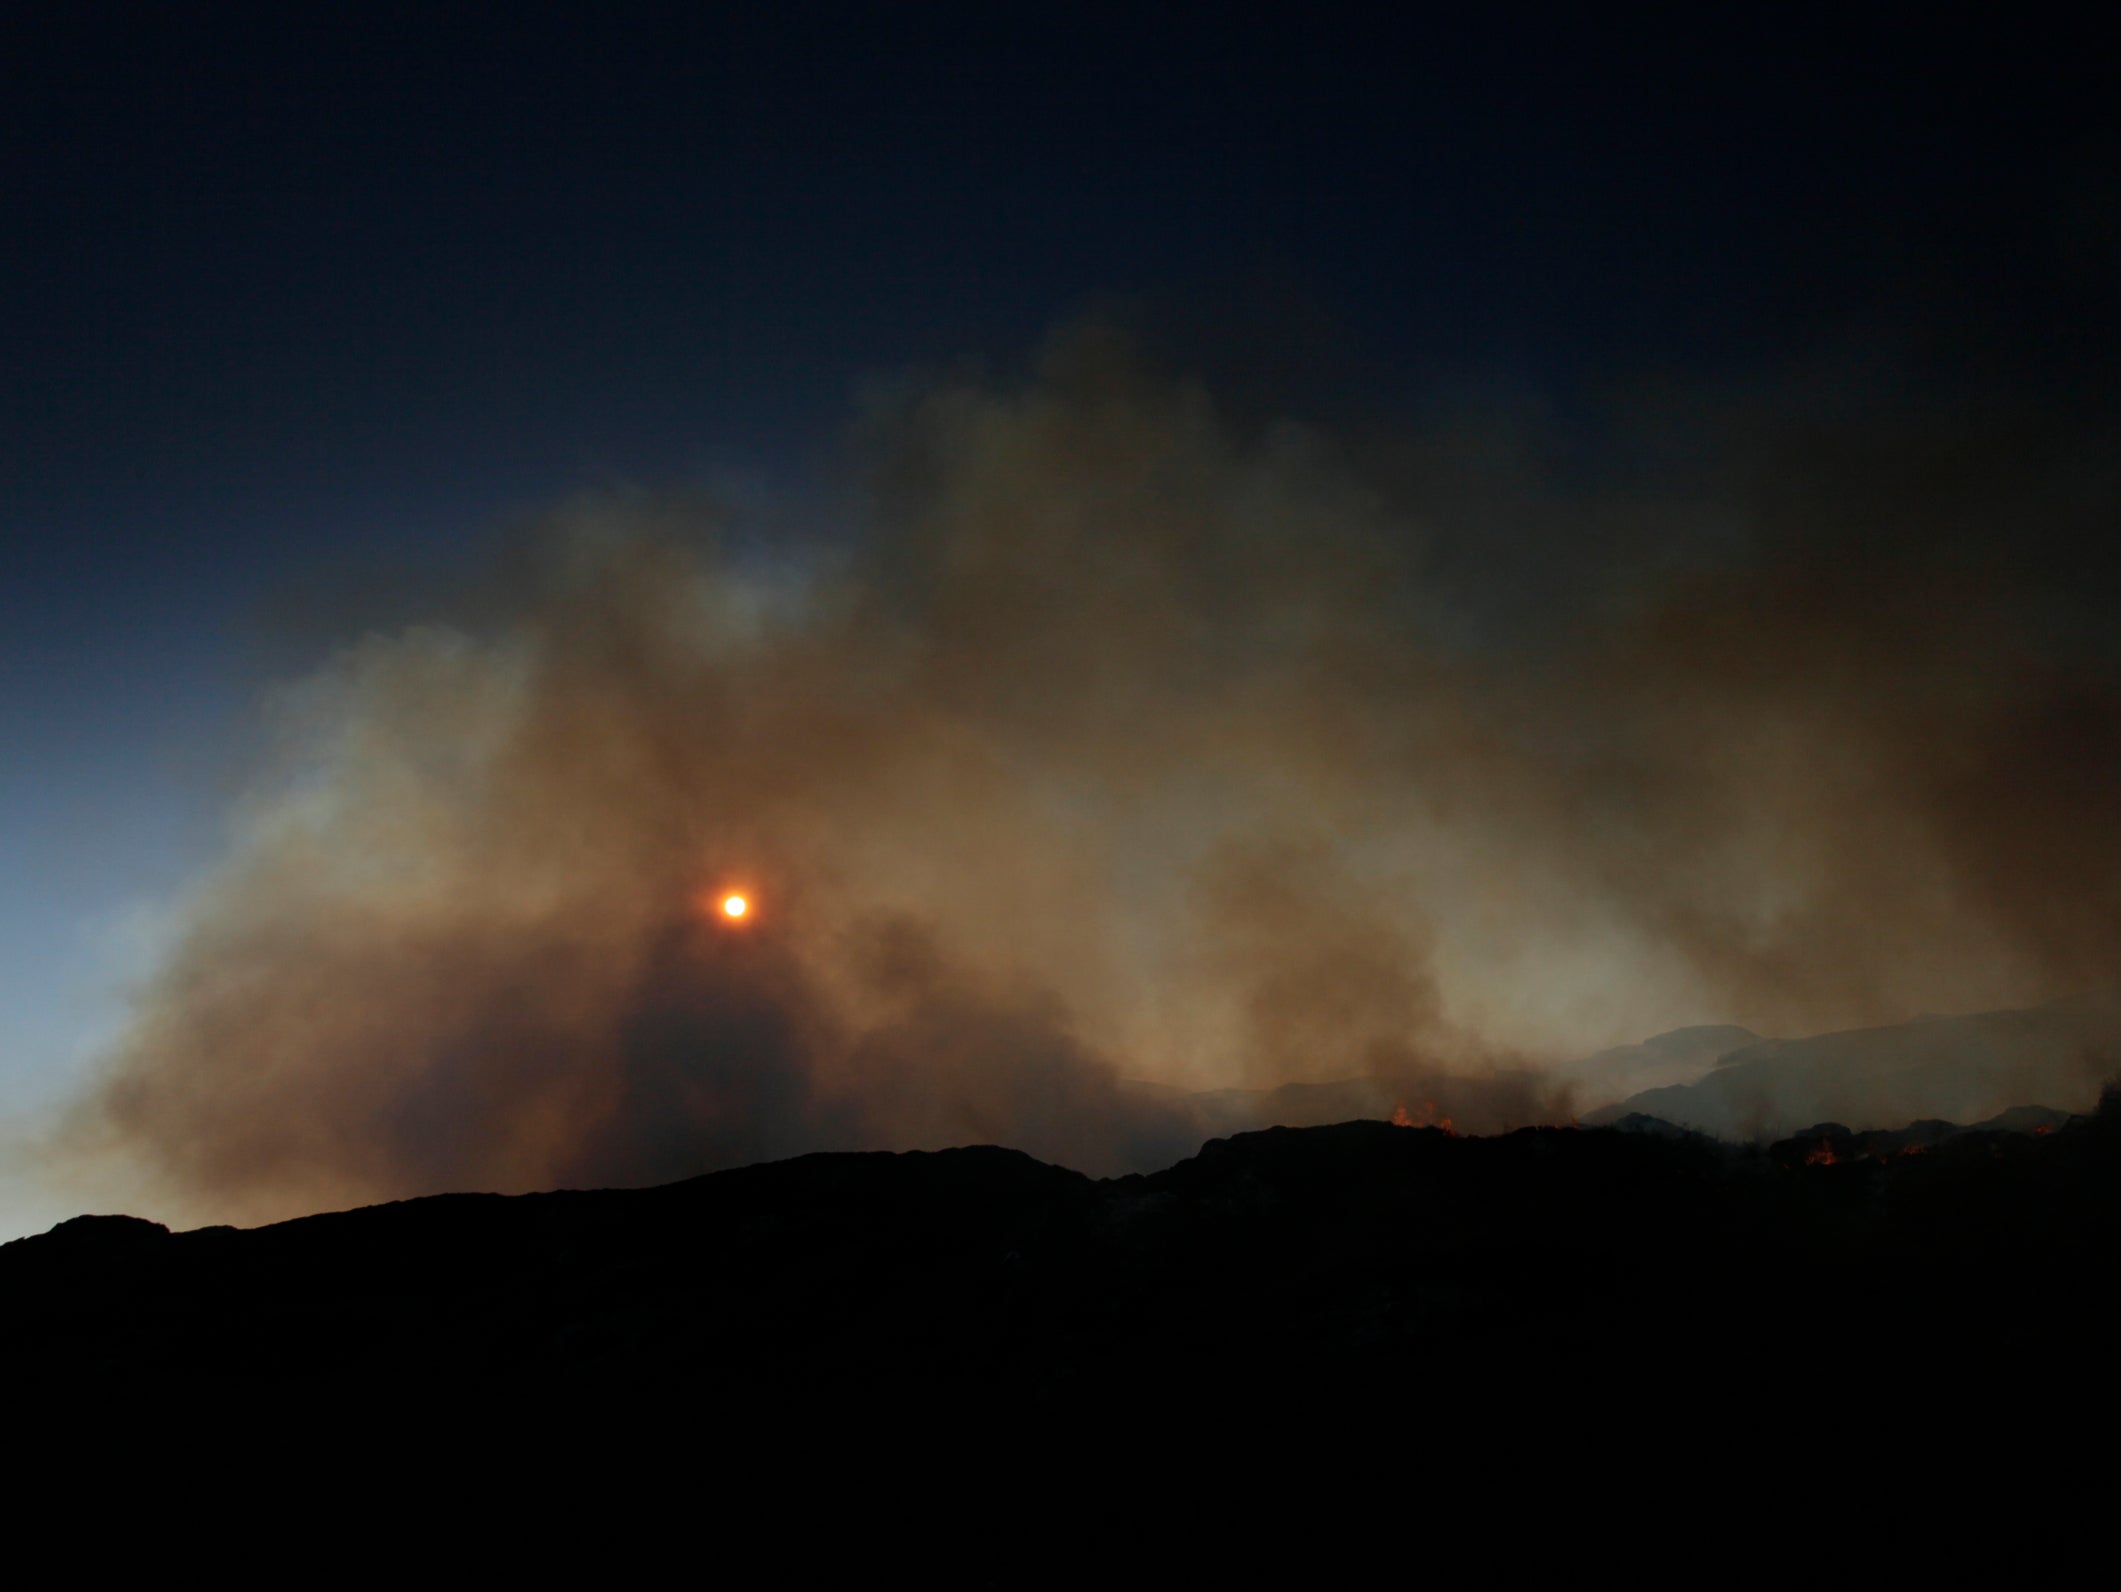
[[1108, 739]]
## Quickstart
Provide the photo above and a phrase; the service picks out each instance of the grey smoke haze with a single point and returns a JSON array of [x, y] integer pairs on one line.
[[1957, 1069], [1112, 737]]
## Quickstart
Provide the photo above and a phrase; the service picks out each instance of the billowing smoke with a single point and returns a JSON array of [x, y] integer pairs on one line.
[[1109, 746]]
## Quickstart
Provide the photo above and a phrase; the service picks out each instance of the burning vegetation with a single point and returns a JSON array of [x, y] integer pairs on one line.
[[1429, 1118]]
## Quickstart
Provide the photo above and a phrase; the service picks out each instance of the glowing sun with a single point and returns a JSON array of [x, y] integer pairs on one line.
[[734, 906]]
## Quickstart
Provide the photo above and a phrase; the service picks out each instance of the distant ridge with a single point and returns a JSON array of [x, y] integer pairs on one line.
[[1678, 1056], [1961, 1069]]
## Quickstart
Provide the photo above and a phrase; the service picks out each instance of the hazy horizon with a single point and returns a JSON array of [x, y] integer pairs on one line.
[[1217, 552]]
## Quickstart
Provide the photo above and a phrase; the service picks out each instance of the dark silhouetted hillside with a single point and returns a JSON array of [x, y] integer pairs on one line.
[[1318, 1262]]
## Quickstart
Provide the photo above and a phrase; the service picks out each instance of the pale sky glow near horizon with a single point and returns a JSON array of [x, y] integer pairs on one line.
[[302, 318]]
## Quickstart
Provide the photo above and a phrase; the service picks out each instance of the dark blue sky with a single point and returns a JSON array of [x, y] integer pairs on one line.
[[289, 290]]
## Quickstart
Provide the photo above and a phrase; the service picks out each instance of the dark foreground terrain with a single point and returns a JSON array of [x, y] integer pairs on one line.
[[1358, 1262]]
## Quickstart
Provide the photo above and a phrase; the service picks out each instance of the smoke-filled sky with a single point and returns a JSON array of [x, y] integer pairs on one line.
[[1162, 554]]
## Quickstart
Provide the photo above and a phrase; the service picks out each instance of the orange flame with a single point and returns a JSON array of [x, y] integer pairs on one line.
[[1428, 1119], [1823, 1155]]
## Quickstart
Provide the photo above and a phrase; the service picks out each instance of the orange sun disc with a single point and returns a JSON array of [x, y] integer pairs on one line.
[[734, 906]]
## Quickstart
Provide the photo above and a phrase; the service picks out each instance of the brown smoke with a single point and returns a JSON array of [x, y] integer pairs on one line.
[[1126, 741]]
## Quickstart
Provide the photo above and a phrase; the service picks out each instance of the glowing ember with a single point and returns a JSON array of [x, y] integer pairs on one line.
[[1401, 1118], [1822, 1156]]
